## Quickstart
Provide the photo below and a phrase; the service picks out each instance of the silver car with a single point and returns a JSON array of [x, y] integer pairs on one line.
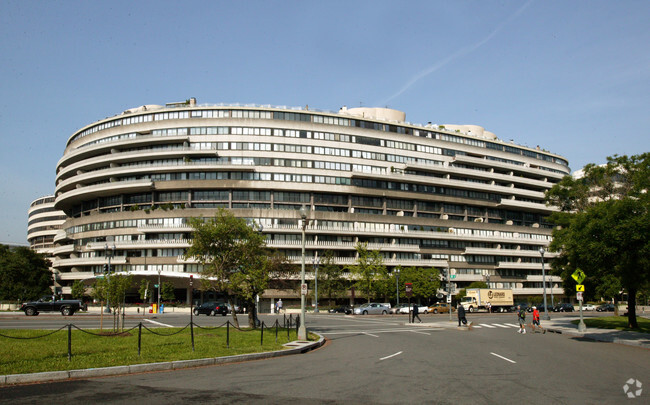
[[372, 308]]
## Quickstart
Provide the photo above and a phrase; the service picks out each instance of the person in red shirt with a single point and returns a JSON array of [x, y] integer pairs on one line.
[[536, 320]]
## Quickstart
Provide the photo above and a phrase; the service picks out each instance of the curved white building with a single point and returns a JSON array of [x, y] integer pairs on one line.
[[424, 196], [44, 221]]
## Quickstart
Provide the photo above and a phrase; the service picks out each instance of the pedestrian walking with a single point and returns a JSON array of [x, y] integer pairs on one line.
[[536, 321], [521, 317], [461, 315], [489, 307], [415, 313], [279, 305]]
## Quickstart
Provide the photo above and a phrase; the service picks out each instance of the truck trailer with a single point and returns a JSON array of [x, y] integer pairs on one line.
[[497, 299]]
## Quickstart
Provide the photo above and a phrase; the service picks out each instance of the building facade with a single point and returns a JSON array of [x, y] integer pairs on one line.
[[451, 197], [44, 221]]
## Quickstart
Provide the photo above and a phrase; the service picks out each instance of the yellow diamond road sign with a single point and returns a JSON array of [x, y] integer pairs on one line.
[[579, 276], [580, 288]]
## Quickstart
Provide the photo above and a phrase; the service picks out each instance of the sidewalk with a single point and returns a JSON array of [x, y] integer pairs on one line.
[[564, 326]]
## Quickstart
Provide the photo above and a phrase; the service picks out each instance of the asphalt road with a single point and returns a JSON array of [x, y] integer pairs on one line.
[[382, 360]]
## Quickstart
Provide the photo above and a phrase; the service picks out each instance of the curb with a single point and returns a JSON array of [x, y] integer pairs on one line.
[[295, 347]]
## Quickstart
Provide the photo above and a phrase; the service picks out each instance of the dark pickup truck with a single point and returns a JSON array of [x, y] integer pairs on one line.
[[50, 304]]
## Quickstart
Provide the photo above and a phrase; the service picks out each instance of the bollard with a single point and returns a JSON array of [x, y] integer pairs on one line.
[[262, 335], [276, 331], [228, 334], [192, 333], [139, 338]]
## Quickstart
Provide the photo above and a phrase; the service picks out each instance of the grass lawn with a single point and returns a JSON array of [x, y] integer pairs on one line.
[[31, 351], [616, 322]]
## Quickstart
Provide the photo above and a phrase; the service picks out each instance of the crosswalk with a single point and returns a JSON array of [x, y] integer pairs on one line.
[[495, 325]]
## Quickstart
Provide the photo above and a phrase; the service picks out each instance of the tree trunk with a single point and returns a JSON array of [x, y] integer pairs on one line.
[[234, 313], [631, 309], [252, 316]]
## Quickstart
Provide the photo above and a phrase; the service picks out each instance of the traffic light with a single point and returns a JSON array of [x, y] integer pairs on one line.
[[105, 268]]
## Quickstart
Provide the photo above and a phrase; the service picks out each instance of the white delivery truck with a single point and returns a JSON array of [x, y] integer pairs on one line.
[[498, 299]]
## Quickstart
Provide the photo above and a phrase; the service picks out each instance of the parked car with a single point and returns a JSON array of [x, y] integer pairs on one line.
[[211, 308], [49, 303], [422, 309], [238, 309], [372, 308], [439, 308], [565, 307], [343, 309], [588, 307], [605, 308], [397, 309]]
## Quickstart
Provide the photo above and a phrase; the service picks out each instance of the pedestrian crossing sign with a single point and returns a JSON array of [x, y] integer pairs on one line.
[[579, 276]]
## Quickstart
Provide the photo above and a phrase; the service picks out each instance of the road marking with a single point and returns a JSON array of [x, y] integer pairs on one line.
[[513, 325], [370, 334], [352, 332], [158, 323], [501, 357], [392, 355], [500, 326], [487, 326], [422, 333]]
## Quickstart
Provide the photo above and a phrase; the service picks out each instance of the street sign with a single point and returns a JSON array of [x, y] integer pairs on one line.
[[453, 276], [449, 299], [580, 287], [409, 289], [579, 296], [579, 276], [155, 285], [303, 289]]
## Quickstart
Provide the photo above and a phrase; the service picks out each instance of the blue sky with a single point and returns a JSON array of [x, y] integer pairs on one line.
[[572, 77]]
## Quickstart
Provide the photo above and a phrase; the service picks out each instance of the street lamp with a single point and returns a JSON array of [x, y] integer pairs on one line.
[[158, 307], [109, 251], [302, 330], [397, 284], [316, 262], [546, 316]]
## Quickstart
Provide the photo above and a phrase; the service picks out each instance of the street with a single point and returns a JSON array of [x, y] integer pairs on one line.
[[382, 359]]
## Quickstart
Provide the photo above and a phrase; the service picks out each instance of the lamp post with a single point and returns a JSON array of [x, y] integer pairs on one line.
[[158, 307], [397, 284], [109, 251], [316, 262], [546, 316], [302, 330]]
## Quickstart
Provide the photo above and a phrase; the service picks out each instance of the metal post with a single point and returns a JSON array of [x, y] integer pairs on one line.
[[158, 308], [581, 325], [108, 252], [397, 285], [546, 315], [302, 330], [316, 262], [449, 290]]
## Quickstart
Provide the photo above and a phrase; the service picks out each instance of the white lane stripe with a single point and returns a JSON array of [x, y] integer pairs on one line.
[[392, 355], [375, 331], [476, 327], [487, 326], [513, 325], [500, 326], [422, 333], [158, 323], [504, 358], [370, 334]]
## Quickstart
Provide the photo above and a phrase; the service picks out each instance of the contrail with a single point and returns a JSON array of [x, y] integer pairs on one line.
[[461, 52]]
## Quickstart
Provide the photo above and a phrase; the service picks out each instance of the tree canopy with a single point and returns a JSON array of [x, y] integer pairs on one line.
[[604, 227], [425, 282], [369, 270], [235, 258], [24, 274]]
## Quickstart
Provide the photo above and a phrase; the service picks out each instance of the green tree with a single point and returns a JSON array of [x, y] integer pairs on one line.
[[78, 289], [145, 290], [369, 270], [167, 291], [24, 274], [330, 277], [425, 282], [604, 226], [235, 258]]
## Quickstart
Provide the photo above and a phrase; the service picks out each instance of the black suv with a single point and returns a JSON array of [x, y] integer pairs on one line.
[[605, 308], [211, 308]]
